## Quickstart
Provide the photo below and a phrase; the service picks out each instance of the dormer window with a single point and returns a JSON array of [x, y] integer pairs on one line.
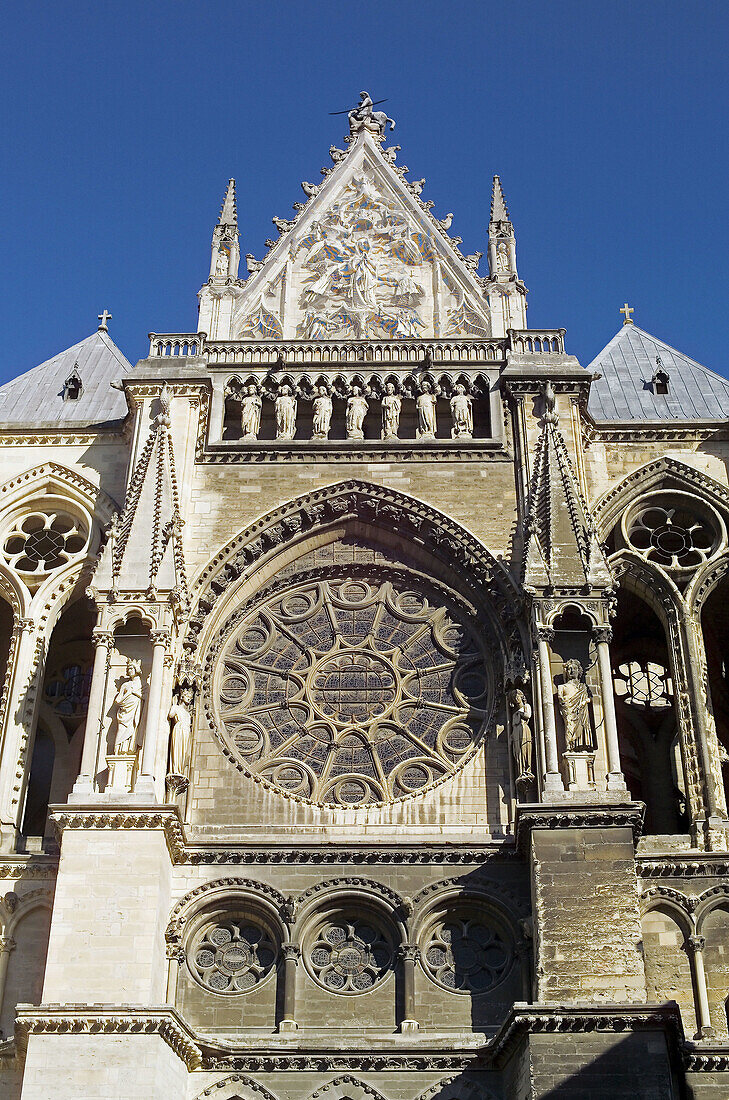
[[660, 378], [73, 386]]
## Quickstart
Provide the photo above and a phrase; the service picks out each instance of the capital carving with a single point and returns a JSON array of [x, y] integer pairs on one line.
[[7, 944], [545, 633], [101, 637], [161, 637], [291, 952], [602, 633], [21, 625], [696, 943], [408, 952]]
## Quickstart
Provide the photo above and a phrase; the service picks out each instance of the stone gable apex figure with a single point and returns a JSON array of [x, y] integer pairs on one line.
[[363, 117]]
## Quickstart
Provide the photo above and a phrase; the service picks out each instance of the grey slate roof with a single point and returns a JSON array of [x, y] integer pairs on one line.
[[625, 392], [36, 397]]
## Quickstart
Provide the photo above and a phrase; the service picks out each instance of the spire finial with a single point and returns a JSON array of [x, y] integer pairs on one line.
[[104, 317], [627, 310], [229, 210], [499, 212]]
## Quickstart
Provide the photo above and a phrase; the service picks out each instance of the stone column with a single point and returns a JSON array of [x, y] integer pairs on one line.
[[103, 641], [409, 955], [15, 716], [292, 954], [615, 780], [707, 744], [695, 949], [552, 778], [7, 946], [160, 646]]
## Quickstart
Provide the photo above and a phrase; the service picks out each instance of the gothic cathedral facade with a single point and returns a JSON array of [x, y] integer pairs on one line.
[[365, 686]]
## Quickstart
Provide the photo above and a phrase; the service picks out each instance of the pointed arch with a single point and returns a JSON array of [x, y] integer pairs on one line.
[[346, 1087], [236, 1086], [458, 1086], [457, 551], [661, 473], [54, 477]]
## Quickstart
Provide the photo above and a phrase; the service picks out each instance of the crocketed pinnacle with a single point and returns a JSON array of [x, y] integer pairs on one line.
[[229, 210], [499, 212]]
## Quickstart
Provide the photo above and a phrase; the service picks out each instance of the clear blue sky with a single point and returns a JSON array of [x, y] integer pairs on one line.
[[123, 121]]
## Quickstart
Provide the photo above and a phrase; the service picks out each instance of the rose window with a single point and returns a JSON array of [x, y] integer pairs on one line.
[[40, 542], [674, 530], [350, 955], [233, 956], [348, 692], [466, 955], [644, 684]]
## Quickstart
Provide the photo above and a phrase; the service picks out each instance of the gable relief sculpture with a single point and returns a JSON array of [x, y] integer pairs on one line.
[[365, 269]]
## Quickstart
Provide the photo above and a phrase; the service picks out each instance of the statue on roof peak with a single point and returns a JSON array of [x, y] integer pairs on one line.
[[363, 117]]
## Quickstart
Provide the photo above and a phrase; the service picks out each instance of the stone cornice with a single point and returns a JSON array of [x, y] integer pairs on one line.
[[95, 816], [708, 1057], [684, 866], [70, 1019], [575, 816], [428, 1056], [464, 852], [23, 867], [441, 450], [530, 1019]]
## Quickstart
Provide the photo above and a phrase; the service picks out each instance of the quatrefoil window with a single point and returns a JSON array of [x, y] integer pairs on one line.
[[232, 955], [40, 542], [673, 530], [347, 691], [466, 953], [350, 954]]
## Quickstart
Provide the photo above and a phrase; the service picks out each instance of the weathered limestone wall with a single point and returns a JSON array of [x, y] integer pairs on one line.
[[587, 924], [601, 1067]]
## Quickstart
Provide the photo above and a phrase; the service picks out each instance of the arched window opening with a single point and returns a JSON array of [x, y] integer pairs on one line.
[[715, 930], [646, 717], [56, 755], [715, 625], [668, 965], [26, 966]]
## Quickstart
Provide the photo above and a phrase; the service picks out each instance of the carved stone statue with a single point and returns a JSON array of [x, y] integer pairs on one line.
[[180, 717], [502, 256], [285, 413], [522, 742], [221, 262], [391, 405], [461, 413], [357, 407], [322, 414], [252, 263], [363, 116], [573, 697], [425, 406], [128, 704], [250, 413]]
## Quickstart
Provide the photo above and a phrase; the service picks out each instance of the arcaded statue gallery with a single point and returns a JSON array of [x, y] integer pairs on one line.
[[365, 665]]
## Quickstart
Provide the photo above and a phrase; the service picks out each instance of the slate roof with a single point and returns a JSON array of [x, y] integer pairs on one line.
[[625, 391], [36, 397]]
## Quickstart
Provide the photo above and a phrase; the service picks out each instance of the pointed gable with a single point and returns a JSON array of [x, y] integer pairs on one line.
[[625, 390], [37, 397], [363, 259]]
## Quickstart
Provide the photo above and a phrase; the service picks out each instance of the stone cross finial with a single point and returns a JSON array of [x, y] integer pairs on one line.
[[104, 317], [627, 310]]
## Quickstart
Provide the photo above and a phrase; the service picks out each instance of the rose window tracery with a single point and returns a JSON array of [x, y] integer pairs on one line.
[[39, 542], [349, 691], [644, 684], [675, 531], [465, 953], [350, 954], [232, 955]]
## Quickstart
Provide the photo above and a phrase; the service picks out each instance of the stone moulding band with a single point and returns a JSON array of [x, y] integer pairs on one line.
[[166, 818], [162, 1020], [626, 815]]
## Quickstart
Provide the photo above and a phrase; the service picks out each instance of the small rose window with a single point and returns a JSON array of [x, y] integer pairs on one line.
[[232, 956], [40, 542], [673, 530], [466, 953], [350, 954]]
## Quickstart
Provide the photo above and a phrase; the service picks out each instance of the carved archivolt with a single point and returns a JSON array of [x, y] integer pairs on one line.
[[347, 1087], [236, 1086]]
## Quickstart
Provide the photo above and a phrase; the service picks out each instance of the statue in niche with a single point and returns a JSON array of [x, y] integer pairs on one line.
[[391, 406], [357, 407], [285, 413], [461, 413], [250, 413], [522, 742], [221, 262], [128, 710], [573, 696], [425, 406], [502, 256], [322, 414], [180, 717]]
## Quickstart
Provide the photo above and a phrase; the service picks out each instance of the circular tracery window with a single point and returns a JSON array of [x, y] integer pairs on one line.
[[232, 955], [674, 530], [350, 954], [349, 692], [465, 953], [39, 542]]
